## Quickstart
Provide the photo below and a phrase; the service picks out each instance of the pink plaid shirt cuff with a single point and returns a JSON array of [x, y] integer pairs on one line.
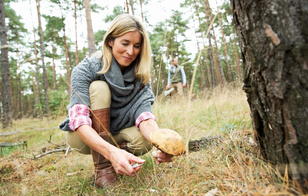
[[79, 115], [144, 116]]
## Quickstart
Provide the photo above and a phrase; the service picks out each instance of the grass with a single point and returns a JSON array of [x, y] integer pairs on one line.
[[233, 167]]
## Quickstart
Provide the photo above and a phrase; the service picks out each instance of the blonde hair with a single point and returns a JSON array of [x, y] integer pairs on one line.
[[120, 25]]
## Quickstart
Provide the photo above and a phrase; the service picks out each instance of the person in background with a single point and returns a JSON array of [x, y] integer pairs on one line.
[[110, 111], [176, 78]]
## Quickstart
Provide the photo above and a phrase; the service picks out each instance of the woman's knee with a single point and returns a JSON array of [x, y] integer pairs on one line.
[[100, 96], [74, 141], [136, 143], [140, 146]]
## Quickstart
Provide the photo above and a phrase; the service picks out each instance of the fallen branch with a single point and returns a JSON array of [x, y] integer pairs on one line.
[[57, 145], [66, 150]]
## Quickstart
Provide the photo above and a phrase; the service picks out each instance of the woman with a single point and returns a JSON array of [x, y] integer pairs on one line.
[[114, 87]]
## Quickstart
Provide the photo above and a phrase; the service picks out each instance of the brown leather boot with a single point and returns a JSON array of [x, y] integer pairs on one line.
[[105, 175]]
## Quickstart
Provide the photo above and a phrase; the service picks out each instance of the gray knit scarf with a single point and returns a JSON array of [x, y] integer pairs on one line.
[[129, 97]]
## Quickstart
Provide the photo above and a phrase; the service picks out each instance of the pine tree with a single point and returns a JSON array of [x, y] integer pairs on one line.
[[43, 62], [5, 71]]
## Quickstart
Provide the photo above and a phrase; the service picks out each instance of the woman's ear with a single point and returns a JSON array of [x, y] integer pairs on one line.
[[110, 43]]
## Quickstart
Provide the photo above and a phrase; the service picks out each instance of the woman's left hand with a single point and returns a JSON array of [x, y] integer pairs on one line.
[[162, 157], [146, 127]]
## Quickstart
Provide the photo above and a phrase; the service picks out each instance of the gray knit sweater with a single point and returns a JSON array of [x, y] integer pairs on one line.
[[129, 97]]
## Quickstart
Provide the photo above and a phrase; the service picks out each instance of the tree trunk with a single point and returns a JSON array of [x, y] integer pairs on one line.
[[5, 72], [55, 86], [34, 93], [67, 64], [20, 116], [13, 100], [236, 57], [18, 89], [15, 94], [208, 70], [91, 38], [213, 63], [215, 54], [76, 35], [37, 74], [273, 39], [43, 63], [131, 3], [84, 52], [127, 8], [141, 10], [202, 35], [229, 73], [161, 67]]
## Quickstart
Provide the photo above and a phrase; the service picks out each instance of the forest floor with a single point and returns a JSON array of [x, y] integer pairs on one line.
[[230, 167]]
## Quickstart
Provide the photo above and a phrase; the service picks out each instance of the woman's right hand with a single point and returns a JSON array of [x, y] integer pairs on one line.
[[122, 162]]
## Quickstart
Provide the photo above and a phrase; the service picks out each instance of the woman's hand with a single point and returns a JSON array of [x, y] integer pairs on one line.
[[120, 159], [161, 156], [122, 162], [146, 127]]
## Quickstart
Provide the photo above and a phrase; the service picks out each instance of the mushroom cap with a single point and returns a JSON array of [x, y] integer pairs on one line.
[[168, 141]]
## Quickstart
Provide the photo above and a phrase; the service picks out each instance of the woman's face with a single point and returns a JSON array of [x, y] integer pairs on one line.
[[126, 48]]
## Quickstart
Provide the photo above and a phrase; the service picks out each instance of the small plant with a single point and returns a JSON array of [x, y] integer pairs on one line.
[[49, 169], [227, 128]]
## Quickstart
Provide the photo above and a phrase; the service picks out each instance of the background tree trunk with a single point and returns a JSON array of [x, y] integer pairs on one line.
[[34, 94], [45, 82], [55, 86], [141, 10], [91, 38], [76, 34], [273, 40], [37, 74], [228, 70], [236, 56], [131, 3], [67, 63], [213, 63], [215, 50], [127, 8], [5, 72]]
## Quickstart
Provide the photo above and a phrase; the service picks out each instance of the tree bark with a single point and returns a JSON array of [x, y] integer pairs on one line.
[[18, 94], [21, 112], [236, 56], [76, 34], [131, 3], [67, 63], [273, 40], [203, 38], [216, 54], [34, 93], [127, 8], [37, 74], [5, 72], [213, 63], [91, 38], [141, 10], [45, 84], [55, 86], [229, 73]]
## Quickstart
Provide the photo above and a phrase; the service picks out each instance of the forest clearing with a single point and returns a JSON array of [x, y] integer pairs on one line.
[[232, 167]]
